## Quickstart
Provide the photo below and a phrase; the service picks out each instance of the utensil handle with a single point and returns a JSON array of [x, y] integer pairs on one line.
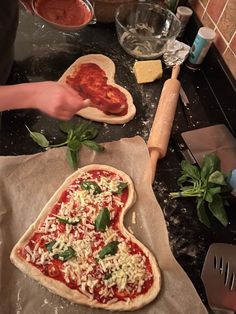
[[163, 120]]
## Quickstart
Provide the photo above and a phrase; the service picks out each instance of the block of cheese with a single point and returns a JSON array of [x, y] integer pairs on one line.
[[147, 71]]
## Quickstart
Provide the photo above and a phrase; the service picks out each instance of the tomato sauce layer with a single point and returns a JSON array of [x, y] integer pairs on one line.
[[91, 82], [64, 12], [68, 247]]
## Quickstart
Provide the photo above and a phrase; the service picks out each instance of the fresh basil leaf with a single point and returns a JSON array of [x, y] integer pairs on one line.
[[110, 249], [190, 170], [72, 158], [217, 177], [66, 126], [218, 210], [74, 144], [91, 185], [120, 188], [65, 255], [39, 138], [50, 245], [107, 276], [211, 192], [89, 134], [67, 221], [209, 164], [102, 220], [201, 212], [182, 179], [79, 129], [93, 145]]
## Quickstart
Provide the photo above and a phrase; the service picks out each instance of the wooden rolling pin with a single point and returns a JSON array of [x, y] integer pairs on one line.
[[163, 120]]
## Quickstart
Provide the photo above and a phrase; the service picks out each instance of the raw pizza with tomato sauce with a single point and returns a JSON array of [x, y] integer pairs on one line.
[[92, 76], [79, 248]]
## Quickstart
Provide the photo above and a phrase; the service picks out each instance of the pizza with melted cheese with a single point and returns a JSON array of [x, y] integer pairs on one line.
[[79, 248]]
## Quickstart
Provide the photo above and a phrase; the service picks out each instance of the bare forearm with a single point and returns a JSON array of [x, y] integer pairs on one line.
[[16, 96], [55, 99]]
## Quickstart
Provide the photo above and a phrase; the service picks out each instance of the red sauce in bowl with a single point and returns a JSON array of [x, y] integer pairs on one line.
[[64, 12]]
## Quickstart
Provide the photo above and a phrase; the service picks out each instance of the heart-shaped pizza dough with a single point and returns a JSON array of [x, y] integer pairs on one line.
[[79, 248], [93, 77]]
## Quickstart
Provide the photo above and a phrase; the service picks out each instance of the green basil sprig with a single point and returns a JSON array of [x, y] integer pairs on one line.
[[102, 220], [107, 276], [208, 185], [91, 185], [67, 221], [110, 249], [77, 135], [64, 255], [120, 188], [50, 245]]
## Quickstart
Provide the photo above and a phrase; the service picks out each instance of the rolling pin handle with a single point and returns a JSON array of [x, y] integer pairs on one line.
[[175, 71]]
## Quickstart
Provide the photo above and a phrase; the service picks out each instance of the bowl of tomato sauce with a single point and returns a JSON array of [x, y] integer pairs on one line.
[[65, 15]]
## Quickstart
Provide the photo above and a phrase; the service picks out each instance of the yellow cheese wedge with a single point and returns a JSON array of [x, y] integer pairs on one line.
[[147, 71]]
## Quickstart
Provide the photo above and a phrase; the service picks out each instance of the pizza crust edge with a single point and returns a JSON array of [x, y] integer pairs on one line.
[[60, 288]]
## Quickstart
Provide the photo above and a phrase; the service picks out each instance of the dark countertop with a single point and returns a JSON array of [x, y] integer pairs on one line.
[[43, 53]]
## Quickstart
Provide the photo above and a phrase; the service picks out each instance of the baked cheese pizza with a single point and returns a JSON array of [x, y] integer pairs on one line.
[[92, 76], [79, 248]]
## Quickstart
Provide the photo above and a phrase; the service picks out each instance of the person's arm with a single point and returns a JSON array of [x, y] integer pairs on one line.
[[55, 99]]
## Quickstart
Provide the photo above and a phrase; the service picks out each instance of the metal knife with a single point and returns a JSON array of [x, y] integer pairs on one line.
[[186, 108]]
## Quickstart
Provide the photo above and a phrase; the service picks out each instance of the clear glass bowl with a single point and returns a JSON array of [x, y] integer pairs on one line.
[[144, 29]]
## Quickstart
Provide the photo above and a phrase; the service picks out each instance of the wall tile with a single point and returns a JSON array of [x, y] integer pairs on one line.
[[233, 44], [198, 9], [227, 23], [220, 43], [215, 8], [206, 21], [229, 58], [204, 2]]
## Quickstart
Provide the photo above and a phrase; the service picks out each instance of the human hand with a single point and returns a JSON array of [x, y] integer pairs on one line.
[[55, 99]]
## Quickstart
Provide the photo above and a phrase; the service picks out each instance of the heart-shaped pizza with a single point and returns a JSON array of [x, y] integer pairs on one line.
[[92, 76], [79, 248]]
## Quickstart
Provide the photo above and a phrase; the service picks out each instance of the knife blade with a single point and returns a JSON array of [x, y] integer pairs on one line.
[[186, 108]]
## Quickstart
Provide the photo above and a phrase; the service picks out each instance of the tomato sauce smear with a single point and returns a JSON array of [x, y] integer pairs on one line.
[[90, 81]]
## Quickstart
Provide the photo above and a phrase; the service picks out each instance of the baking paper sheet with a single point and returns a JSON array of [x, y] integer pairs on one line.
[[27, 183]]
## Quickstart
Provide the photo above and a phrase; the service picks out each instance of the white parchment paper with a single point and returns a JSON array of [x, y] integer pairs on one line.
[[27, 183]]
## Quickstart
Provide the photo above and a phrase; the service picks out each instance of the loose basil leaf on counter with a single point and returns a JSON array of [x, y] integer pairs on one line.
[[77, 135], [121, 187], [102, 220], [91, 185], [50, 245], [66, 126], [72, 158], [93, 145], [67, 221], [208, 185], [65, 255], [89, 134], [210, 163], [74, 144], [110, 249], [39, 138]]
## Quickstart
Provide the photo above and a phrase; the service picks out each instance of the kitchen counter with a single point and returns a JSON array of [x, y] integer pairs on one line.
[[43, 53]]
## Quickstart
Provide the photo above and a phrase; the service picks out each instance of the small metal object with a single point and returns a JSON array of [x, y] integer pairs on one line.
[[186, 109], [219, 277]]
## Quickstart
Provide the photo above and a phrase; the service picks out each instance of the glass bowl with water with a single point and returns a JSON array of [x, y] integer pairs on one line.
[[144, 29]]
